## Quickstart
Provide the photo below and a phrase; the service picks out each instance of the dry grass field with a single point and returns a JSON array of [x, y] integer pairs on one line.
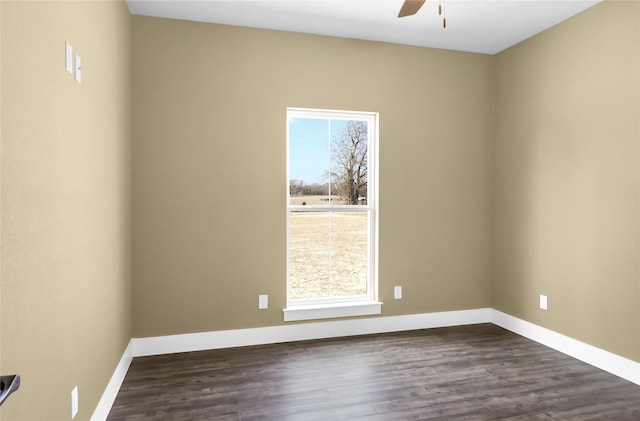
[[319, 241]]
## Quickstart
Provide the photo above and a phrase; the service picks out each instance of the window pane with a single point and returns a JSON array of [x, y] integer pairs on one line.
[[349, 245], [328, 162], [349, 162], [309, 161], [308, 255]]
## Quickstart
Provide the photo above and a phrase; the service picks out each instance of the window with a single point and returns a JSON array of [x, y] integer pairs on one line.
[[331, 214]]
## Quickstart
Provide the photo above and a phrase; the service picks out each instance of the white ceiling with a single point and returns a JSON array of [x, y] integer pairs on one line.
[[481, 26]]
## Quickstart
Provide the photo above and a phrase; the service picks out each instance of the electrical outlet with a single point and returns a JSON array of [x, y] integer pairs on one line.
[[543, 302], [397, 292], [263, 302], [74, 402]]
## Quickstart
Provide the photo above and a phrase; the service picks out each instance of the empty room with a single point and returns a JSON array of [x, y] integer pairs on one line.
[[319, 210]]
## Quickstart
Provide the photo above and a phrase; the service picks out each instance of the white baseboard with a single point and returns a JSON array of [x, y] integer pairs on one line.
[[605, 360], [140, 347], [113, 387], [299, 332]]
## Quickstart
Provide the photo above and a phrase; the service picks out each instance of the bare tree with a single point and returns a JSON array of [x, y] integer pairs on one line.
[[301, 188], [349, 162], [296, 187]]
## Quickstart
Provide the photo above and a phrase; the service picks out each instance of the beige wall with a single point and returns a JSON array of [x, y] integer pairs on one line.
[[209, 169], [566, 178], [65, 205]]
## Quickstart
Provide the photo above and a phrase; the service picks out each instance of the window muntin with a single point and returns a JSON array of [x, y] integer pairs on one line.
[[330, 207]]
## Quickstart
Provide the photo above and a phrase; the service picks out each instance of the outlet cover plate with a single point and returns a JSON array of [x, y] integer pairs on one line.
[[68, 58], [74, 402], [78, 69], [543, 302], [263, 302], [397, 292]]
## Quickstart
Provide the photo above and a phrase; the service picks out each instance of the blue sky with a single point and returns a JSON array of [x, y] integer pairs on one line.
[[309, 148]]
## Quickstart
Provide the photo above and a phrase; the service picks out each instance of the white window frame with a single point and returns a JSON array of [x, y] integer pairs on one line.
[[361, 305]]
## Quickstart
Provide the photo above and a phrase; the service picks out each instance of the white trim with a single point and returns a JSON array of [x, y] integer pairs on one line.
[[605, 360], [304, 331], [328, 311], [113, 387]]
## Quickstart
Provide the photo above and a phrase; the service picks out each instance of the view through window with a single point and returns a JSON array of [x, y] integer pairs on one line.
[[330, 209]]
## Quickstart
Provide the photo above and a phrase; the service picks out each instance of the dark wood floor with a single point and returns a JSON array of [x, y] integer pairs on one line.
[[478, 372]]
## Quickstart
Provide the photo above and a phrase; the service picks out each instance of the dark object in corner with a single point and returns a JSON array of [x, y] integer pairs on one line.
[[8, 385]]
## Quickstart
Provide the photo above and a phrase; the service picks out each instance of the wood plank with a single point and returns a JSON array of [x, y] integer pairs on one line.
[[478, 372]]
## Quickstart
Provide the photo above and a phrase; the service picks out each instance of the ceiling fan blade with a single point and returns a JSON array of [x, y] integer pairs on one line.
[[410, 7]]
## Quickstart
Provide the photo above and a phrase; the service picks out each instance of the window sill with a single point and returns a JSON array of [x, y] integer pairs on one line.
[[329, 311]]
